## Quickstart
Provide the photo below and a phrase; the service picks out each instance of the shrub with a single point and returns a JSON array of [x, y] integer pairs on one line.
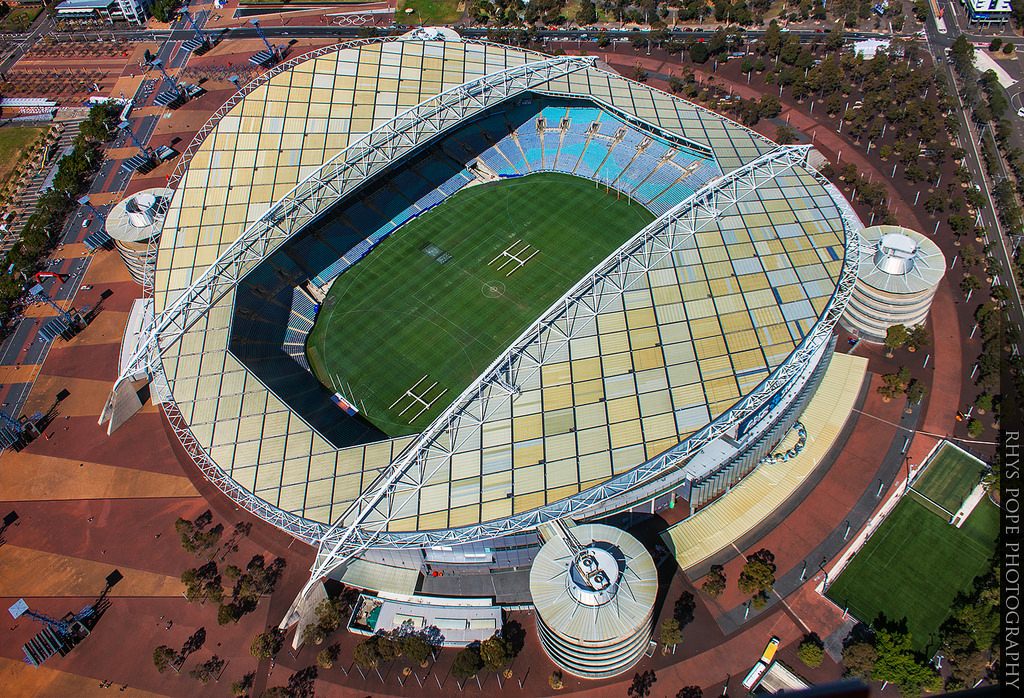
[[811, 651]]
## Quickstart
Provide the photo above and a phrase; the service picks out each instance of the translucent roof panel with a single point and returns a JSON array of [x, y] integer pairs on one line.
[[689, 338]]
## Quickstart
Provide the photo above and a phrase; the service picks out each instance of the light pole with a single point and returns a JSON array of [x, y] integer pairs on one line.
[[127, 128], [84, 201], [159, 65]]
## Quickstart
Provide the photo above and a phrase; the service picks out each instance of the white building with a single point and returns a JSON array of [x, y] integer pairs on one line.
[[132, 11], [135, 11], [987, 11]]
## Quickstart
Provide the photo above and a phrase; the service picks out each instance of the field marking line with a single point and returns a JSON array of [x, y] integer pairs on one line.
[[929, 499], [428, 405], [408, 391], [503, 252], [522, 263]]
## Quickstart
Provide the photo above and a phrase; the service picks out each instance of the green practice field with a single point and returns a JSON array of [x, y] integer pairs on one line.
[[13, 140], [404, 331], [949, 477], [914, 566]]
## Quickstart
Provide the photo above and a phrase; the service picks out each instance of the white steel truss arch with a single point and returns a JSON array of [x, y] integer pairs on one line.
[[364, 523], [336, 178]]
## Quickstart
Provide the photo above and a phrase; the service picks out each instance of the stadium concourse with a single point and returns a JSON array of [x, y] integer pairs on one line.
[[658, 379]]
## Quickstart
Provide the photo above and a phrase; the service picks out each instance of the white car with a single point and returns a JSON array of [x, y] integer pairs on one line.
[[1020, 112], [85, 222]]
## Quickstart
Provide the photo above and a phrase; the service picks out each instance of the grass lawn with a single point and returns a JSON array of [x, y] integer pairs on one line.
[[402, 314], [949, 477], [429, 12], [14, 139], [914, 566], [19, 19]]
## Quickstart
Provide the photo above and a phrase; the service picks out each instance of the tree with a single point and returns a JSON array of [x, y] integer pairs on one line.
[[690, 692], [995, 45], [895, 337], [203, 583], [698, 53], [918, 337], [163, 10], [375, 649], [859, 659], [916, 392], [556, 681], [207, 670], [267, 644], [684, 609], [671, 634], [975, 428], [227, 613], [811, 650], [785, 135], [642, 684], [415, 647], [164, 657], [467, 663], [326, 658], [714, 585], [897, 664], [587, 14], [243, 685], [758, 574], [983, 403], [1009, 48], [495, 652]]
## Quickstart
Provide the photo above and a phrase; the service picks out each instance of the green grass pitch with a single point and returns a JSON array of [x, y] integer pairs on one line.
[[401, 315], [949, 478], [914, 566]]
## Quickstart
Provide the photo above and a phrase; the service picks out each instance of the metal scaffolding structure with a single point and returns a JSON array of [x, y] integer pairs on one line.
[[336, 178], [364, 523]]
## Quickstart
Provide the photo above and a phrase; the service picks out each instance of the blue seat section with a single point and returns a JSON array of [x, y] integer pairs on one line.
[[593, 156], [513, 154], [529, 141], [493, 158], [572, 149], [452, 185], [637, 172], [660, 180], [551, 143], [553, 115], [608, 125], [583, 117], [612, 166], [508, 143], [300, 322]]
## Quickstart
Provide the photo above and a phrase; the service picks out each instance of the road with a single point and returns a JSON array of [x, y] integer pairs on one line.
[[970, 140], [24, 44]]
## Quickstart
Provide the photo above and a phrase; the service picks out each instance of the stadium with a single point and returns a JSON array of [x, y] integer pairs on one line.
[[416, 299]]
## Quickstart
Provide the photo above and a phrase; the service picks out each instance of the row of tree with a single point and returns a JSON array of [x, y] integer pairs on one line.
[[44, 225]]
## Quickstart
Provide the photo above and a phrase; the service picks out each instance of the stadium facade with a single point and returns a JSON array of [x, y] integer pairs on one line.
[[664, 375]]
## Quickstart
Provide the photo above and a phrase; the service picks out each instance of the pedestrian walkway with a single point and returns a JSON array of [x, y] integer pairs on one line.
[[753, 500]]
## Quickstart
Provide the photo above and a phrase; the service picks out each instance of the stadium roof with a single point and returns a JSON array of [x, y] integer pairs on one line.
[[678, 349]]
